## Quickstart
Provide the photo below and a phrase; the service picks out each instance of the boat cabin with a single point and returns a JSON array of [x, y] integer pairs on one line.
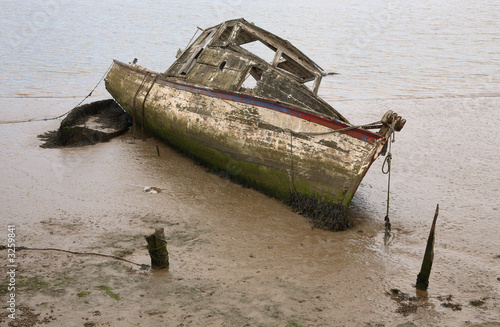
[[240, 57]]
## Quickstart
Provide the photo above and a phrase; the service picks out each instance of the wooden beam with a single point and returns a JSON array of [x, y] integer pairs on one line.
[[425, 270]]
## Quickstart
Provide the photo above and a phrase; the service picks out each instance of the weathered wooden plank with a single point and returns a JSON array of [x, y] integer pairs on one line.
[[425, 270]]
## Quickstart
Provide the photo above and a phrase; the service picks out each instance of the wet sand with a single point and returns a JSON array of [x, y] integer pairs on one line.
[[239, 258]]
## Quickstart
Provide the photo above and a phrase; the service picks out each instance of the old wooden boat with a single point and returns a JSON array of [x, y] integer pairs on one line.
[[274, 134]]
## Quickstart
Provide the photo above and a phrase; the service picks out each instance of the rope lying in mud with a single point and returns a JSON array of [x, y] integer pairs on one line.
[[291, 162], [64, 114], [19, 248]]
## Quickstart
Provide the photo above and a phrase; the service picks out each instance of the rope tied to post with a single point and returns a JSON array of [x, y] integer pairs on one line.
[[157, 248]]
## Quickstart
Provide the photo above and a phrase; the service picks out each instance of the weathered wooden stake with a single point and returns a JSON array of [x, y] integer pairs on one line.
[[157, 247], [425, 270], [158, 150]]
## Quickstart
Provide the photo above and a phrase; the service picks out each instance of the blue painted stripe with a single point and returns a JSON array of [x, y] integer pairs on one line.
[[361, 134], [358, 133]]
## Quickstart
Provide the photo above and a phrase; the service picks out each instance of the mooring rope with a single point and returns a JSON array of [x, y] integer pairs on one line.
[[144, 102], [365, 126], [386, 169], [291, 162], [64, 114], [152, 251], [133, 103], [19, 248], [292, 133]]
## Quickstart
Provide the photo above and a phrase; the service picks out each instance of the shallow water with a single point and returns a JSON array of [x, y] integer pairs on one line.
[[435, 63]]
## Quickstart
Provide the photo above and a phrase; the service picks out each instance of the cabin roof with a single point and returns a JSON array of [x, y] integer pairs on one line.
[[288, 57], [238, 56]]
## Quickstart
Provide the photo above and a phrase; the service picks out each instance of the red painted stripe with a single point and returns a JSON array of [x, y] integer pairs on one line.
[[358, 133]]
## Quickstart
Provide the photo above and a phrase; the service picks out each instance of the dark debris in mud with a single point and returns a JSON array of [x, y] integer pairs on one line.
[[73, 131], [323, 214], [477, 303], [410, 304], [407, 304], [447, 302], [25, 317]]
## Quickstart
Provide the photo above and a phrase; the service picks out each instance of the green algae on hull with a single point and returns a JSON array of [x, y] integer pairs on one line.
[[325, 213], [326, 209], [279, 137]]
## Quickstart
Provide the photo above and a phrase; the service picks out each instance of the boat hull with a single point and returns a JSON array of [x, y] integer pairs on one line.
[[287, 153]]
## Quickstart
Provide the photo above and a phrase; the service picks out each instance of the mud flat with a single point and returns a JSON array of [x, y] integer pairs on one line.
[[237, 257]]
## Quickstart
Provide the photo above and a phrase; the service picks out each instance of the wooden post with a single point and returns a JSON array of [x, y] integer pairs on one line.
[[425, 270], [157, 247]]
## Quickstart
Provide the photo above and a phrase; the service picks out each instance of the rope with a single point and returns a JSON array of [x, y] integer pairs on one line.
[[292, 133], [376, 124], [158, 249], [19, 248], [365, 126], [195, 32], [133, 103], [291, 161], [144, 102], [64, 114], [386, 169]]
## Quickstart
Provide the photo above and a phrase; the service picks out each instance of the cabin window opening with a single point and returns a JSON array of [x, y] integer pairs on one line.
[[249, 83], [199, 46], [310, 85], [295, 68], [252, 78], [222, 65], [187, 67], [224, 36], [260, 50]]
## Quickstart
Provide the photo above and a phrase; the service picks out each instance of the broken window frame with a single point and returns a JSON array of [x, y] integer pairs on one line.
[[217, 36], [278, 55], [253, 72], [198, 47], [218, 40]]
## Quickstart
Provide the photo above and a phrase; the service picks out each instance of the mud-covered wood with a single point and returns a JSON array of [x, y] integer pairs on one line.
[[157, 247], [88, 124], [425, 270]]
